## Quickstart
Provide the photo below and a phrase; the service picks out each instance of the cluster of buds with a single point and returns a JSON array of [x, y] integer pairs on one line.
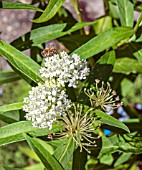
[[103, 98]]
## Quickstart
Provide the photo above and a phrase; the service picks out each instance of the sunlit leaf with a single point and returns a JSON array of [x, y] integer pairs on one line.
[[14, 132], [18, 5], [10, 107], [50, 11], [20, 61], [109, 120], [103, 41], [123, 158], [126, 12], [127, 66], [45, 34], [64, 152], [47, 159], [8, 76]]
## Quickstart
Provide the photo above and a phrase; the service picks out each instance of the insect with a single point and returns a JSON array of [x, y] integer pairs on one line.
[[49, 51]]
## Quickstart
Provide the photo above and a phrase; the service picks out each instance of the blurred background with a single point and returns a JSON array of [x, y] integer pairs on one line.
[[13, 24]]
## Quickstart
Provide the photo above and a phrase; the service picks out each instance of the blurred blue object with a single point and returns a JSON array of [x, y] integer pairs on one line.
[[107, 132], [139, 106]]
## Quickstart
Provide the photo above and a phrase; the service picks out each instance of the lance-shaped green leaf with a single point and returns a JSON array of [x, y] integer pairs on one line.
[[14, 132], [10, 107], [47, 159], [10, 168], [126, 12], [8, 76], [127, 66], [126, 87], [50, 11], [20, 61], [44, 34], [109, 120], [64, 152], [107, 159], [103, 41], [102, 24], [10, 117], [123, 158], [79, 159], [107, 147], [124, 143], [18, 5]]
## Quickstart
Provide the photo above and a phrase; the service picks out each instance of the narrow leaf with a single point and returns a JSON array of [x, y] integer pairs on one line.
[[10, 107], [123, 158], [50, 11], [64, 152], [44, 34], [8, 76], [126, 87], [107, 159], [109, 120], [108, 147], [20, 61], [127, 66], [102, 24], [50, 32], [45, 145], [14, 132], [126, 12], [10, 168], [47, 30], [103, 41], [10, 117], [18, 5], [47, 159], [79, 159]]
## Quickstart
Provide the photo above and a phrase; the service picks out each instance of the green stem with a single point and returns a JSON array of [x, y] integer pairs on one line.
[[138, 22], [78, 12], [106, 7], [135, 30], [79, 15]]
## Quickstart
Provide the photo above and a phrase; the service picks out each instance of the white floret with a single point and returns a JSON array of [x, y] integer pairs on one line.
[[44, 104], [65, 69]]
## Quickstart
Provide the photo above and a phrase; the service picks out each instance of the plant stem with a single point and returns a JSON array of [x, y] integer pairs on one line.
[[135, 30], [138, 22], [106, 7], [79, 13]]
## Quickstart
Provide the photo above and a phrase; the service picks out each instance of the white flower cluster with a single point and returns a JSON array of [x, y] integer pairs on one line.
[[45, 103], [48, 101], [65, 69]]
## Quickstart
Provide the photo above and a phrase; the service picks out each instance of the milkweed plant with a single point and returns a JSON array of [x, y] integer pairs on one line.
[[76, 114]]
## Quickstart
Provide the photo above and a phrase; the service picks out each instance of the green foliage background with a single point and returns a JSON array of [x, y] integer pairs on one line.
[[113, 48]]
